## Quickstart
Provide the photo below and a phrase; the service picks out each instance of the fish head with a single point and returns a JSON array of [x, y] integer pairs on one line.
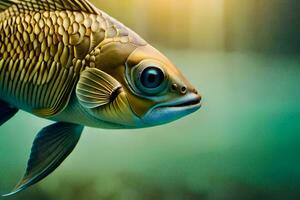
[[159, 92], [146, 88]]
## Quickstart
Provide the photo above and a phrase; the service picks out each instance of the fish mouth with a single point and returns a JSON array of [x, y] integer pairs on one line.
[[174, 110], [191, 101]]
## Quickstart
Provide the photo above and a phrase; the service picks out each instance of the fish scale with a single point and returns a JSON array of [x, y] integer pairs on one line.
[[38, 49]]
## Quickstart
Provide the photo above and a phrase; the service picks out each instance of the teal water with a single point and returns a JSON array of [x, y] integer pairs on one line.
[[243, 144]]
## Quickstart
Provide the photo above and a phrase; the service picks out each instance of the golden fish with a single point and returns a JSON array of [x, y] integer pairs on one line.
[[67, 61]]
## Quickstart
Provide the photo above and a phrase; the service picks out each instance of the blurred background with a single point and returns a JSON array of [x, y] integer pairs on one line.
[[244, 57]]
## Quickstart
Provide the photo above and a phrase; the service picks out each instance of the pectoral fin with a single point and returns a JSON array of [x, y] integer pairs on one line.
[[96, 88], [6, 112], [50, 148]]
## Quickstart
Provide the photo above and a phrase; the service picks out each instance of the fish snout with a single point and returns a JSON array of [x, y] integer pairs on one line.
[[189, 94], [195, 92]]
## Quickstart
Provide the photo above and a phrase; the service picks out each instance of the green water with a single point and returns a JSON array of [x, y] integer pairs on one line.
[[243, 144]]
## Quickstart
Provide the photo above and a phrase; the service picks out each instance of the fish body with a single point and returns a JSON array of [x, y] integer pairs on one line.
[[72, 63], [43, 53]]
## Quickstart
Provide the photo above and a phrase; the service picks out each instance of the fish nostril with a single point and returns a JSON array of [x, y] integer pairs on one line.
[[174, 87], [179, 89], [183, 90], [195, 91]]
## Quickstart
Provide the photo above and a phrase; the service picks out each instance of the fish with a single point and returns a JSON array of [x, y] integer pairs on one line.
[[71, 63]]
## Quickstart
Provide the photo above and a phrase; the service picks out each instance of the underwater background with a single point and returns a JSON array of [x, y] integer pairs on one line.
[[244, 58]]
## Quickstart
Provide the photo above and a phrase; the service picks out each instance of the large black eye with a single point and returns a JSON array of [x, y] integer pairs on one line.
[[152, 77]]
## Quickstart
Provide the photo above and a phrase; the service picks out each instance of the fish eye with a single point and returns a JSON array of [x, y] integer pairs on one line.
[[150, 79]]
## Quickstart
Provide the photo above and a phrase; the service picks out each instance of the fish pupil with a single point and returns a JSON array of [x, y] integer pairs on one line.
[[152, 77]]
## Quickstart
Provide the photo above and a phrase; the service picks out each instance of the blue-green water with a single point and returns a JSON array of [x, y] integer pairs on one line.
[[243, 144]]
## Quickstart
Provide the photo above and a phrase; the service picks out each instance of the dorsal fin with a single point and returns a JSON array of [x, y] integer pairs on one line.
[[50, 5]]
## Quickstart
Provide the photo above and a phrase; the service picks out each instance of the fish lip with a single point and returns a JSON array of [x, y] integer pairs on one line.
[[191, 101], [172, 110], [187, 103]]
